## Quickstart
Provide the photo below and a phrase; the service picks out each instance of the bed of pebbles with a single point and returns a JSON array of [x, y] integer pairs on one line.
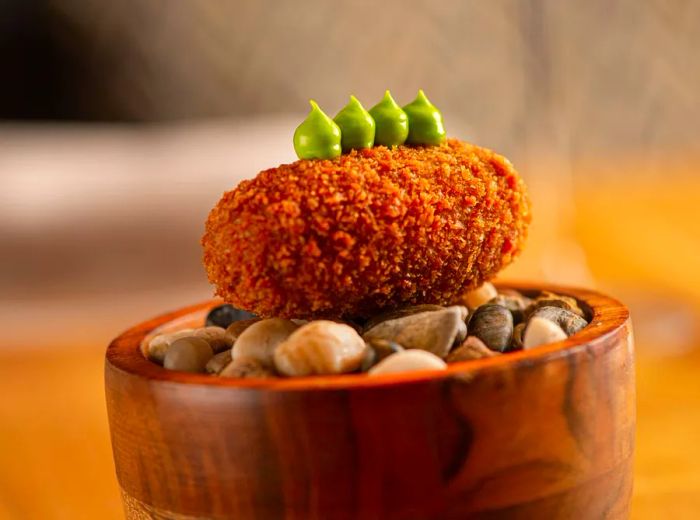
[[235, 343]]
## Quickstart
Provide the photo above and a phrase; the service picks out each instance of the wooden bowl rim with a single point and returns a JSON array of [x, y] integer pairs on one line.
[[608, 316]]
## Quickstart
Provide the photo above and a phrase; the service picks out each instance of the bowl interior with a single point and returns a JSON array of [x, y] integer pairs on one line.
[[605, 315]]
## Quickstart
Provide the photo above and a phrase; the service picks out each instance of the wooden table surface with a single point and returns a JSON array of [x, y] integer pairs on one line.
[[640, 243], [55, 457]]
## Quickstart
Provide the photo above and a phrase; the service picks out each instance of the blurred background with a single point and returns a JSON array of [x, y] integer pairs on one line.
[[123, 122]]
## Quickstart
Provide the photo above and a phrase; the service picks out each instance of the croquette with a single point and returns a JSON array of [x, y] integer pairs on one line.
[[368, 231]]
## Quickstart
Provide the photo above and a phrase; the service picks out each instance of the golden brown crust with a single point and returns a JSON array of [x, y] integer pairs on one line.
[[369, 230]]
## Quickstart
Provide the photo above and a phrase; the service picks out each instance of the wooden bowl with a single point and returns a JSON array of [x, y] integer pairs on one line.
[[543, 433]]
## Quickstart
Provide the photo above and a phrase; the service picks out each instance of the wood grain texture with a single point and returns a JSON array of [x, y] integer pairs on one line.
[[546, 433]]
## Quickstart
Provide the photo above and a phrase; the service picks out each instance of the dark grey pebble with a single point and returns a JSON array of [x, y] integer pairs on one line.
[[492, 324], [550, 299], [518, 336], [516, 304], [224, 315]]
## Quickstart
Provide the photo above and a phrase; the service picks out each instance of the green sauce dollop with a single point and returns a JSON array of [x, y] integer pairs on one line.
[[425, 125], [356, 126], [317, 137], [391, 122]]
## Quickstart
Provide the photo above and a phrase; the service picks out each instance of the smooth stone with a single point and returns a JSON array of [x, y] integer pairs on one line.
[[246, 369], [518, 336], [215, 336], [550, 299], [379, 349], [217, 363], [541, 331], [320, 347], [570, 322], [479, 296], [188, 355], [516, 304], [158, 345], [234, 330], [461, 332], [433, 331], [400, 313], [407, 361], [354, 324], [261, 339], [471, 348], [492, 324], [223, 315]]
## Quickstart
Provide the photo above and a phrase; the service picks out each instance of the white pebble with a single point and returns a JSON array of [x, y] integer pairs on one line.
[[541, 331], [480, 295], [320, 347], [260, 340], [407, 361], [158, 345]]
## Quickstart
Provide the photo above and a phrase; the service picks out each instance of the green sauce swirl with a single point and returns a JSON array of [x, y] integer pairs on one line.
[[425, 125], [317, 137], [391, 122], [357, 127]]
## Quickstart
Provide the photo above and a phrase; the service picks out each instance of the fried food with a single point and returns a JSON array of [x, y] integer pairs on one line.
[[368, 231]]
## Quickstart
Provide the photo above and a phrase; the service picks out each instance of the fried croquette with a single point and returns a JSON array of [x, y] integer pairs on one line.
[[368, 231]]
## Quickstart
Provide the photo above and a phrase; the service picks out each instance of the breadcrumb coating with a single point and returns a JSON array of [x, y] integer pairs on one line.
[[370, 230]]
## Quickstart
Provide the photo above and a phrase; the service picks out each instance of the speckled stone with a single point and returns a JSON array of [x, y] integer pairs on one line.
[[570, 322], [518, 336], [433, 331], [515, 303], [492, 324], [400, 313], [550, 299]]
